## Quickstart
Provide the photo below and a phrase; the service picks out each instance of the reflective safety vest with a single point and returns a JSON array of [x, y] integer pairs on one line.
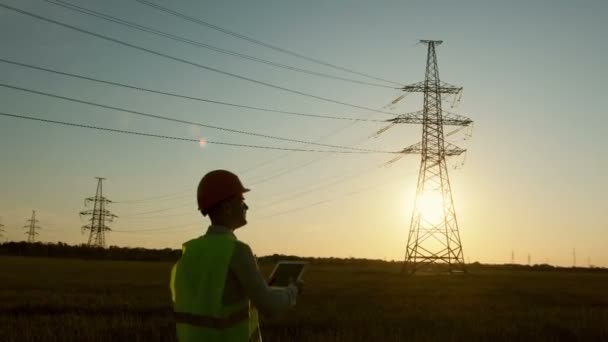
[[197, 288]]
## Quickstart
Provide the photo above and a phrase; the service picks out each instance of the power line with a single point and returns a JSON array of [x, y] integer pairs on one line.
[[183, 205], [162, 197], [159, 117], [155, 229], [170, 137], [167, 197], [150, 30], [296, 209], [341, 179], [296, 195], [177, 59], [297, 167], [148, 227], [285, 198], [282, 199], [184, 96], [393, 102], [273, 47], [194, 212], [307, 206], [353, 193], [285, 154], [169, 231]]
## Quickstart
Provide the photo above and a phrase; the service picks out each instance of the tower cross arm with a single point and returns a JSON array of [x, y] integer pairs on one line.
[[448, 118], [424, 86], [92, 227], [412, 149], [106, 213], [97, 198], [449, 149]]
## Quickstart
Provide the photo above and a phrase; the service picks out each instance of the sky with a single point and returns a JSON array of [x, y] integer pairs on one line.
[[531, 183]]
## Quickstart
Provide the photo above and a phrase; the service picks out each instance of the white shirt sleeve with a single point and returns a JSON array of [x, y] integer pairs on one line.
[[270, 301]]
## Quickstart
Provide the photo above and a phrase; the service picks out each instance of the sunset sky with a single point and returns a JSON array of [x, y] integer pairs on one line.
[[534, 74]]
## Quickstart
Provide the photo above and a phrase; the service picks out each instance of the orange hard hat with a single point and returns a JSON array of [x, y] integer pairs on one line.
[[217, 186]]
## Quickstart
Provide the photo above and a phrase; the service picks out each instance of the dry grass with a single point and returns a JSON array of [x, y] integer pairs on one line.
[[92, 300]]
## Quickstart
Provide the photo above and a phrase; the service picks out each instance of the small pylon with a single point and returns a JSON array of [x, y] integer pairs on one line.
[[32, 226], [1, 229], [99, 217]]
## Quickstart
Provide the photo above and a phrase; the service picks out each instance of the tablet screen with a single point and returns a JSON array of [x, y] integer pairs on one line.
[[284, 271]]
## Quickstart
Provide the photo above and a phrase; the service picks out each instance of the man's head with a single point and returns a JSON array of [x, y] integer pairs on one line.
[[220, 195]]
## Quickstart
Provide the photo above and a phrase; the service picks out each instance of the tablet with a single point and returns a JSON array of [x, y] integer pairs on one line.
[[284, 271]]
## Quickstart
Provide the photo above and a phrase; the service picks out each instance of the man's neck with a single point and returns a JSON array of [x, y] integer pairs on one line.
[[219, 226]]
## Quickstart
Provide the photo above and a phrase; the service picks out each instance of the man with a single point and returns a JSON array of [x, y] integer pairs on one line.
[[216, 286]]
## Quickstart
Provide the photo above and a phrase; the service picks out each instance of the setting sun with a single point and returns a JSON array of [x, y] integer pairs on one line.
[[430, 206]]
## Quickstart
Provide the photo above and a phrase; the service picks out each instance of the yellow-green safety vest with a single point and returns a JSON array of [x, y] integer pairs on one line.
[[197, 287]]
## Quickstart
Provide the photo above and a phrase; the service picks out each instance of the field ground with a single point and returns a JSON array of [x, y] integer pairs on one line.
[[92, 300]]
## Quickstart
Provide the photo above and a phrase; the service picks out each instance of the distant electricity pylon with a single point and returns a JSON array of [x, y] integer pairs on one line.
[[2, 231], [99, 216], [32, 226], [433, 236]]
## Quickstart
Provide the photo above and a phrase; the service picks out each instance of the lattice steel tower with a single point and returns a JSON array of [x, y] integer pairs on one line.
[[32, 226], [99, 216], [433, 236], [1, 229]]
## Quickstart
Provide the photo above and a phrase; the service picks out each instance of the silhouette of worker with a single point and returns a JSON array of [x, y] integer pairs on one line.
[[216, 285]]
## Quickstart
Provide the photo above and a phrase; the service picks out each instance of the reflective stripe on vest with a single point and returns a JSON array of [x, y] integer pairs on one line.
[[210, 321]]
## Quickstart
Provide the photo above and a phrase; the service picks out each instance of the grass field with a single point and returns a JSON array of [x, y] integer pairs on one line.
[[92, 300]]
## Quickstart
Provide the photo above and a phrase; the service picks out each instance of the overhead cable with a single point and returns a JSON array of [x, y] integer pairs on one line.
[[184, 61], [184, 96], [167, 197], [298, 167], [162, 216], [283, 155], [150, 30], [255, 41], [183, 205], [168, 137], [164, 229], [322, 186], [307, 206], [165, 118], [147, 227]]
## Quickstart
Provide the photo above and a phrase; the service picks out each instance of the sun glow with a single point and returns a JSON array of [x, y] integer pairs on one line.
[[430, 206]]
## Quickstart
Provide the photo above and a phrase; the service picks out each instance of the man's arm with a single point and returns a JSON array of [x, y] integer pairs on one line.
[[269, 301]]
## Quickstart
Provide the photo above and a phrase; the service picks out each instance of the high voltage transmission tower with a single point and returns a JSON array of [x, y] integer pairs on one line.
[[99, 216], [1, 229], [32, 226], [433, 236]]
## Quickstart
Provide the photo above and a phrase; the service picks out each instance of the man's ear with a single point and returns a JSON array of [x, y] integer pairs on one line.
[[226, 208]]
